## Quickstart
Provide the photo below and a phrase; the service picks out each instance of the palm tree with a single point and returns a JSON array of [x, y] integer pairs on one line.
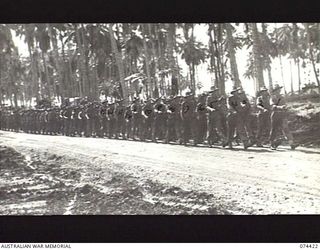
[[256, 52], [232, 55], [312, 41], [193, 53], [118, 56]]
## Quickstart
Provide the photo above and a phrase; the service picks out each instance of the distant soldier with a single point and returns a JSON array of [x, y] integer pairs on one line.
[[52, 121], [148, 119], [263, 116], [279, 119], [120, 120], [201, 119], [67, 113], [111, 117], [74, 120], [137, 118], [128, 117], [160, 118], [103, 119], [174, 120], [187, 113]]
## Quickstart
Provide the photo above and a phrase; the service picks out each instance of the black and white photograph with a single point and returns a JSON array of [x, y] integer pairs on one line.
[[159, 118]]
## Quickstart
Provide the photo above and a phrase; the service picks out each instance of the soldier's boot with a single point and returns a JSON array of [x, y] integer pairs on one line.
[[275, 144], [246, 144], [293, 145], [227, 143]]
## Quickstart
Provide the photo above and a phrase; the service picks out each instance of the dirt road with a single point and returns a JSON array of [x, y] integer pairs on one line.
[[256, 181]]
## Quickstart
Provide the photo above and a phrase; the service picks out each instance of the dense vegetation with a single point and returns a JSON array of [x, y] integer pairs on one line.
[[121, 60]]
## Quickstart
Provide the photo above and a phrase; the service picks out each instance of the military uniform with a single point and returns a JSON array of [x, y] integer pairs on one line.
[[201, 119], [148, 119], [263, 116], [160, 118], [137, 119], [120, 120], [279, 119], [174, 120], [235, 121], [187, 112], [214, 118], [103, 119], [111, 120], [128, 117]]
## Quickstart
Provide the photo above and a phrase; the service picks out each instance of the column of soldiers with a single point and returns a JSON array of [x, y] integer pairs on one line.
[[209, 118]]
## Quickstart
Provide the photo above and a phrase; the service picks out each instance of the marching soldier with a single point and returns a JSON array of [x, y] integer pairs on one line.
[[201, 119], [148, 118], [216, 113], [263, 116], [137, 118], [128, 117], [187, 113], [235, 121], [174, 120], [111, 120], [159, 125], [120, 120], [103, 119], [246, 114], [279, 119]]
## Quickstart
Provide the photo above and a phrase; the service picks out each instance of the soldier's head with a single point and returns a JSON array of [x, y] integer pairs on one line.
[[263, 92], [235, 91], [213, 92], [276, 89]]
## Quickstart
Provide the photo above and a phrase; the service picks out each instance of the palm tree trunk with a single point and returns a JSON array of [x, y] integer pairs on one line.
[[270, 77], [282, 77], [119, 62], [258, 69], [311, 55], [291, 77], [299, 74], [81, 64], [58, 62], [33, 64], [220, 62], [155, 60], [88, 86], [47, 74], [147, 61], [213, 65], [232, 56], [170, 47]]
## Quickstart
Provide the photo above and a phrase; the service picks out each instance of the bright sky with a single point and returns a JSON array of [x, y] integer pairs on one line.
[[206, 78]]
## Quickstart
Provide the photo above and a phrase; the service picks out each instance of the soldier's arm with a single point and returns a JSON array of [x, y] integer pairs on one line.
[[276, 103], [208, 105], [260, 104]]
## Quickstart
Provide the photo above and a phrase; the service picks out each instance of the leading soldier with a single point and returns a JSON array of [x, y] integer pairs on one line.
[[279, 119], [235, 121]]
